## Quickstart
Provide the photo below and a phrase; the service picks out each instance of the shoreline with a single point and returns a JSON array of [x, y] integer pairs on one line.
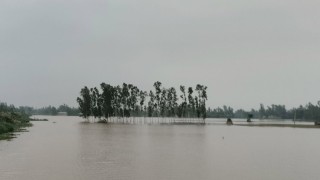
[[11, 123], [14, 134], [279, 125]]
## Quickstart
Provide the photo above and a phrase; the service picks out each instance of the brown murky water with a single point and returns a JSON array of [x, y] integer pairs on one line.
[[70, 149]]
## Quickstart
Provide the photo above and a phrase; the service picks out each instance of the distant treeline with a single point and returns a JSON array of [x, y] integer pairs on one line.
[[128, 100], [4, 107], [308, 112], [50, 110]]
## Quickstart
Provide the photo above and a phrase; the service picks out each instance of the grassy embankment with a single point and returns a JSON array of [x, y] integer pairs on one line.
[[12, 122]]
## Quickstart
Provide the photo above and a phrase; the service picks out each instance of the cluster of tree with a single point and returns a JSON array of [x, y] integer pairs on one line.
[[4, 107], [7, 108], [274, 111], [309, 112], [50, 110], [229, 112], [11, 118], [128, 100]]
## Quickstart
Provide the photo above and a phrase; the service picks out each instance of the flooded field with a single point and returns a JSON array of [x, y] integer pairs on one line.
[[68, 148]]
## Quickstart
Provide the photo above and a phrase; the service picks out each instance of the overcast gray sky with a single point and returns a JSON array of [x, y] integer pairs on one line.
[[246, 51]]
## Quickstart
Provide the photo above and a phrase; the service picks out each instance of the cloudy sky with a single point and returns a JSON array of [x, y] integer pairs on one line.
[[247, 52]]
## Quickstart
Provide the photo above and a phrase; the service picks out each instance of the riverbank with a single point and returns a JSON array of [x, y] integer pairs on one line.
[[11, 122], [279, 125]]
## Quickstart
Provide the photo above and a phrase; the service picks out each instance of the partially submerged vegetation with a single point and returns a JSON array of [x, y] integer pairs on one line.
[[11, 120], [309, 112], [129, 101]]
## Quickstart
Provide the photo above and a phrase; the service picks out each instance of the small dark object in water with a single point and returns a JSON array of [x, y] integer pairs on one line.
[[103, 121], [317, 123], [53, 122], [229, 122], [249, 117]]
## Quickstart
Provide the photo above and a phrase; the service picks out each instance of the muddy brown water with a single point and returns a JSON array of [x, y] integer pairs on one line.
[[70, 149]]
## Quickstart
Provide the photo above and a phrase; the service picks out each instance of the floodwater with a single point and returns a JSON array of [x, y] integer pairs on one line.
[[65, 148]]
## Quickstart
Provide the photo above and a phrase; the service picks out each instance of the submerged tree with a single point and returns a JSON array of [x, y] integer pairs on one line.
[[128, 100], [163, 102], [96, 102], [107, 98], [151, 104], [85, 102], [202, 97], [142, 99], [191, 107], [157, 86], [183, 105], [172, 99]]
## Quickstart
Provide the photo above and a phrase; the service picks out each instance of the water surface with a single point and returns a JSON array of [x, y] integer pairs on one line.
[[70, 149]]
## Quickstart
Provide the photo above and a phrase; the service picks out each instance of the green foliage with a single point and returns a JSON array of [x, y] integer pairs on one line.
[[108, 97], [151, 104], [85, 103], [6, 127], [12, 118], [202, 97], [129, 100]]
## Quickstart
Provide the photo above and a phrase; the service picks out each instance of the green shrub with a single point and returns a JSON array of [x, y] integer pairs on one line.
[[6, 127], [11, 119], [3, 128], [10, 127]]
